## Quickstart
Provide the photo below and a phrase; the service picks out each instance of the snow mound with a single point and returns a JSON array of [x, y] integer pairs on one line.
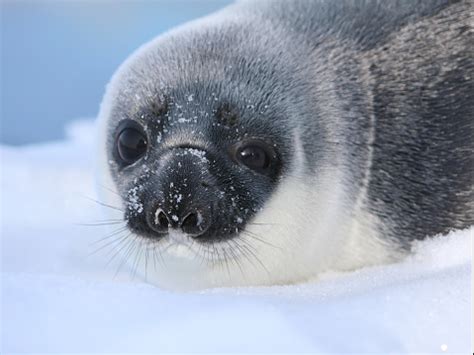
[[61, 294]]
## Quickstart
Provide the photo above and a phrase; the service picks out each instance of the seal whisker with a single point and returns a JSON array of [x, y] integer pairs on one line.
[[208, 255], [146, 260], [119, 242], [160, 254], [127, 250], [110, 235], [220, 258], [234, 257], [109, 189], [111, 242], [263, 224], [103, 204], [244, 252], [154, 257], [137, 258], [201, 253], [100, 224], [226, 260], [124, 242], [244, 248], [260, 239], [247, 247]]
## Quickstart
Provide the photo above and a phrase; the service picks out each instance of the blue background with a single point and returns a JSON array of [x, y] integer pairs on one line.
[[57, 56]]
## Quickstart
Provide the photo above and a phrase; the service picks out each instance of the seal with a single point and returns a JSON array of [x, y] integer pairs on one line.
[[273, 140]]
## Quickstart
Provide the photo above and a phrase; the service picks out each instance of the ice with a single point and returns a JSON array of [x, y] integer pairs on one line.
[[61, 294], [134, 202]]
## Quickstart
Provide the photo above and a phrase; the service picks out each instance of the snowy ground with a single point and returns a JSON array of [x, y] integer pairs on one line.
[[56, 297]]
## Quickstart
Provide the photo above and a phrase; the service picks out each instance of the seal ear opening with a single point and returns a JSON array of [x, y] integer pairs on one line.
[[205, 184], [227, 115], [159, 106]]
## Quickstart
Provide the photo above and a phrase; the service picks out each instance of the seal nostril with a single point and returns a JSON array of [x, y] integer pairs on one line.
[[190, 221], [161, 221], [193, 224]]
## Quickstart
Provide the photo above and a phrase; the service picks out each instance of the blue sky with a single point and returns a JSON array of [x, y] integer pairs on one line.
[[57, 56]]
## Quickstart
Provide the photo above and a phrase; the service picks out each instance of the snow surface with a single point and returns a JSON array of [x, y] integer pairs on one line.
[[60, 294]]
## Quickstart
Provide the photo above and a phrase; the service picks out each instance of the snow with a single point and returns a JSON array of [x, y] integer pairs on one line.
[[61, 294]]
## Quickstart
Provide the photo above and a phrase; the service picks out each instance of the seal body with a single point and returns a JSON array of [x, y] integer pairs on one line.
[[275, 140]]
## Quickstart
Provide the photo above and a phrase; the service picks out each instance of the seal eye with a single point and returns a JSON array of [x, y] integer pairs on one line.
[[255, 155], [131, 145]]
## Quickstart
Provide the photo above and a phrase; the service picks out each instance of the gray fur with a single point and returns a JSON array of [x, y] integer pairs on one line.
[[410, 64], [380, 90]]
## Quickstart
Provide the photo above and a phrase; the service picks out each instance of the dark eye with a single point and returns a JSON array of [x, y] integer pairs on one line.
[[131, 145], [256, 155]]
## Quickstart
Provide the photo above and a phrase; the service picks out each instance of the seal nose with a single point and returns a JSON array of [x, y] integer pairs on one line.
[[194, 224], [184, 193]]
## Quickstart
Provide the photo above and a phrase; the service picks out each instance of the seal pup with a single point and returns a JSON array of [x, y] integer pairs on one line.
[[275, 140]]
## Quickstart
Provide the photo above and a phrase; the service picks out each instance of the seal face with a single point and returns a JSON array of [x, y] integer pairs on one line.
[[273, 141], [205, 176]]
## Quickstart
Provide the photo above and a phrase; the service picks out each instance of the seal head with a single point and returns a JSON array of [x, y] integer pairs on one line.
[[244, 148]]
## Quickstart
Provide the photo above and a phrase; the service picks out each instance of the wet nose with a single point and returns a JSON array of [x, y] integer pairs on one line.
[[194, 222]]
